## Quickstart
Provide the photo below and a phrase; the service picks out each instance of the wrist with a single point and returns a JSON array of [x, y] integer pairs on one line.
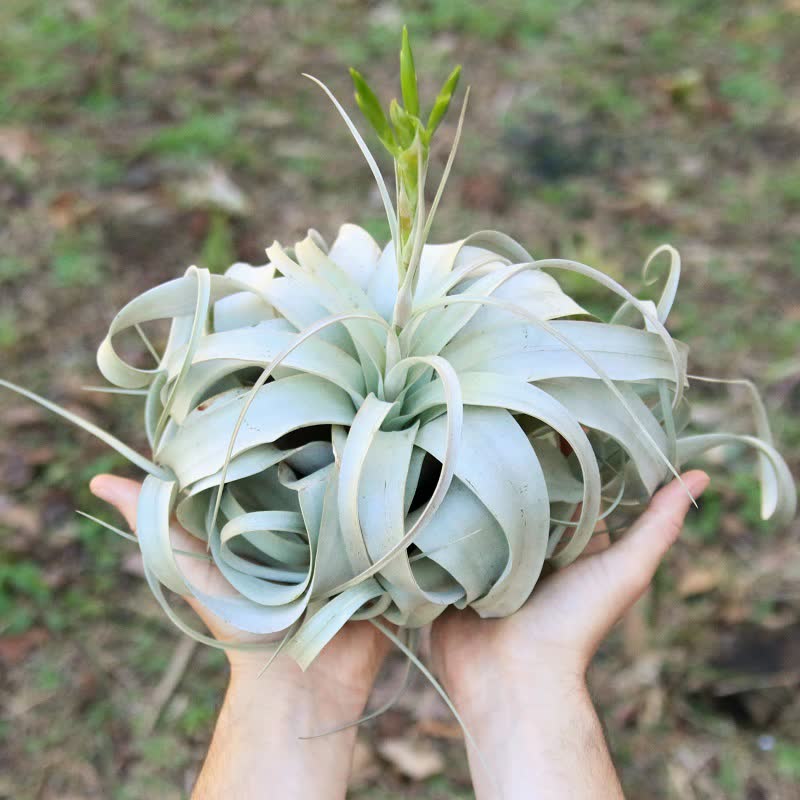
[[546, 734], [259, 737], [495, 701], [508, 681], [304, 696]]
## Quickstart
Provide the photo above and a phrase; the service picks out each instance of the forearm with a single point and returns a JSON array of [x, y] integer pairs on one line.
[[256, 751], [543, 742]]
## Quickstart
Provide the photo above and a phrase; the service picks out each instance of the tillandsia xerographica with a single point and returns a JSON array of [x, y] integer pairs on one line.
[[367, 432]]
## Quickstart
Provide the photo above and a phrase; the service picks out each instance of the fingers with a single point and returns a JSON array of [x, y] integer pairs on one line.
[[598, 543], [631, 563], [600, 540], [121, 493]]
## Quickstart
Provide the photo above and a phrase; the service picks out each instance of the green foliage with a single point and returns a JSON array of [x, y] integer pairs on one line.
[[371, 109], [786, 187], [377, 40], [107, 462], [201, 135], [13, 268], [729, 778], [199, 716], [48, 678], [9, 331], [150, 648], [705, 523], [106, 170], [163, 750], [24, 578], [42, 43], [77, 258], [745, 486], [189, 15], [102, 546], [407, 138], [442, 102], [399, 135], [754, 96], [787, 760], [82, 606], [23, 594], [219, 250], [408, 77], [522, 19]]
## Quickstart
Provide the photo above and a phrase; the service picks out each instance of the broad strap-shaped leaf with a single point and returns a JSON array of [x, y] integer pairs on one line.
[[497, 463], [532, 354], [384, 283], [367, 341], [175, 299], [153, 510], [245, 308], [356, 252], [301, 307], [464, 538], [221, 354], [497, 391], [381, 510], [199, 447], [593, 405], [317, 631]]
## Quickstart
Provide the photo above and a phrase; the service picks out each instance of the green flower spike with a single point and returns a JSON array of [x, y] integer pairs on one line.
[[407, 138]]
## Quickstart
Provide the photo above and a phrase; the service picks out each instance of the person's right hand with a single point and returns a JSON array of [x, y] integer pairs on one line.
[[500, 672], [255, 751]]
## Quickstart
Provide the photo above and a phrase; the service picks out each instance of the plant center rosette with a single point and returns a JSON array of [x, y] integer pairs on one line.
[[360, 432]]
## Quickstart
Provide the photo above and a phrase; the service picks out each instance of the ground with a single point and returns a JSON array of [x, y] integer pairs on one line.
[[140, 136]]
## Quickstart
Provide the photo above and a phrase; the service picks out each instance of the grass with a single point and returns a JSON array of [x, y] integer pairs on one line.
[[41, 48], [13, 268], [218, 251], [23, 594], [787, 760], [754, 96], [9, 328], [77, 258], [201, 135]]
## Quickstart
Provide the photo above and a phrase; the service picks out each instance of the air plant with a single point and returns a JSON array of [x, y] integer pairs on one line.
[[379, 433]]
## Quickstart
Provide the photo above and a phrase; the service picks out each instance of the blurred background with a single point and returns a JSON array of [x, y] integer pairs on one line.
[[140, 136]]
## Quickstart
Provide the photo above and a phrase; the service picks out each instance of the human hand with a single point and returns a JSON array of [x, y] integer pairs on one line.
[[526, 672], [262, 718]]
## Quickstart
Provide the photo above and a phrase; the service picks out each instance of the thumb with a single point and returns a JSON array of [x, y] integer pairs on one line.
[[121, 493], [632, 562]]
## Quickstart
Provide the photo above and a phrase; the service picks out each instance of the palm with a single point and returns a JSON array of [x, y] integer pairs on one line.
[[550, 627], [570, 611], [346, 665]]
